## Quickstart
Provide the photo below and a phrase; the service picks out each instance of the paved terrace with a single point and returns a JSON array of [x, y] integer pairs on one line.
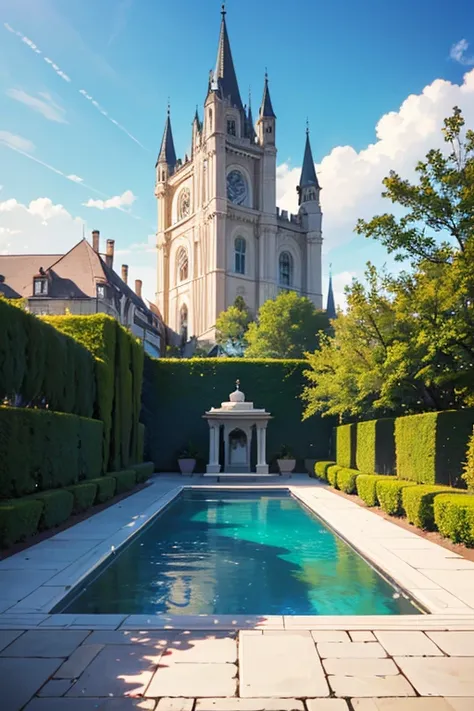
[[278, 663]]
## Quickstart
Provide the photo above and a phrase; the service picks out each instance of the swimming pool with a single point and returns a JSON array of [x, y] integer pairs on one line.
[[237, 552]]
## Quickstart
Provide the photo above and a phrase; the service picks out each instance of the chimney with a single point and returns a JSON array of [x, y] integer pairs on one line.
[[125, 273], [96, 240], [109, 255], [138, 287]]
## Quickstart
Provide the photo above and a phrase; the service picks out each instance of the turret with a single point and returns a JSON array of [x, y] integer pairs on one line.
[[330, 304], [250, 128], [266, 118], [308, 188], [197, 132], [166, 161]]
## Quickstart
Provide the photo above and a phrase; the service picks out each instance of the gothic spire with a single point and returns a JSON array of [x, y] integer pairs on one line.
[[330, 305], [266, 109], [224, 79], [197, 120], [250, 124], [167, 152], [308, 173]]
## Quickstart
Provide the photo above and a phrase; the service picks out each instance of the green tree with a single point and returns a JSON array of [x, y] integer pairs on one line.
[[231, 327], [286, 327]]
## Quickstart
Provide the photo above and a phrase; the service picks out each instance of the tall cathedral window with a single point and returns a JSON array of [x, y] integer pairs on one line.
[[285, 269], [240, 247], [182, 263], [231, 127]]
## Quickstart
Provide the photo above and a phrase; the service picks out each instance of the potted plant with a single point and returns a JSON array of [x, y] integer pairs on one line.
[[286, 460], [187, 460]]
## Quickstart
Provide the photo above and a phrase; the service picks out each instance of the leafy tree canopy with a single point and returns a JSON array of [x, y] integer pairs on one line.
[[231, 327]]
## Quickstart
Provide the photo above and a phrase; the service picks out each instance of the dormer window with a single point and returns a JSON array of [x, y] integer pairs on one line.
[[101, 291], [40, 286], [231, 127]]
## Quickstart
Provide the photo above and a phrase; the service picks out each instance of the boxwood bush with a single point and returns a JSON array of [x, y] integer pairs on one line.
[[389, 495], [144, 471], [346, 443], [454, 517], [332, 472], [367, 487], [417, 502], [106, 486], [19, 518], [321, 469], [375, 446], [126, 480], [346, 480], [84, 496], [57, 507]]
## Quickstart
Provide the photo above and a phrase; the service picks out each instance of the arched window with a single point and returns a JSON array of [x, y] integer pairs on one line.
[[285, 269], [184, 203], [240, 248], [182, 264], [210, 120]]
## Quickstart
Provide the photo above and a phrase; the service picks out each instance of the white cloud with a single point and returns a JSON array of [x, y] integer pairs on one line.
[[118, 201], [75, 178], [45, 105], [351, 181], [12, 140], [458, 53]]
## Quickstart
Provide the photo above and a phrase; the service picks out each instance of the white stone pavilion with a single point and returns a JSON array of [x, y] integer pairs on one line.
[[238, 420]]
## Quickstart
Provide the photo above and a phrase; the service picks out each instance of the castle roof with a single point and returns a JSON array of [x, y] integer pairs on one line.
[[266, 109], [308, 172], [331, 306], [167, 152], [224, 79]]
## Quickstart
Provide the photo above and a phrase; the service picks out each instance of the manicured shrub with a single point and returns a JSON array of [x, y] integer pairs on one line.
[[332, 473], [321, 469], [375, 446], [468, 468], [202, 383], [454, 517], [389, 495], [126, 480], [18, 520], [57, 507], [106, 486], [91, 435], [144, 471], [431, 447], [346, 443], [346, 480], [84, 496], [417, 502], [367, 487], [140, 442]]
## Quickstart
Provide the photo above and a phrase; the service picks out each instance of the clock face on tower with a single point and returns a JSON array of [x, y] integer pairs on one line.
[[236, 188]]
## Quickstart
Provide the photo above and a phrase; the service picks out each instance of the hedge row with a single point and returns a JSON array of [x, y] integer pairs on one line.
[[426, 449], [201, 383], [118, 361], [20, 518], [40, 366], [454, 517], [41, 450]]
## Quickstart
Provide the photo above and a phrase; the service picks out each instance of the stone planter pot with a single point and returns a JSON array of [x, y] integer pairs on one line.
[[187, 466], [286, 466], [309, 466]]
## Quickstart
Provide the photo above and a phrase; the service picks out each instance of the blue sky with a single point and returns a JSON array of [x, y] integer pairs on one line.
[[341, 63]]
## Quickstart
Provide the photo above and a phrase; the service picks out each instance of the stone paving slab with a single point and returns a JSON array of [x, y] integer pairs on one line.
[[360, 636], [20, 679], [347, 686], [360, 667], [419, 704], [330, 636], [439, 676], [409, 644], [205, 680], [248, 705], [175, 705], [45, 643], [326, 705], [55, 687], [78, 661], [351, 650], [201, 649], [286, 666], [98, 704], [454, 644], [7, 637]]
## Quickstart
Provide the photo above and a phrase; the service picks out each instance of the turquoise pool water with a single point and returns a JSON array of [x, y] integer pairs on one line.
[[219, 552]]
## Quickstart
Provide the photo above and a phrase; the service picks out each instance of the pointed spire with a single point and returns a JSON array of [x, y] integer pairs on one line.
[[197, 120], [250, 124], [308, 173], [330, 305], [224, 79], [167, 152], [266, 109]]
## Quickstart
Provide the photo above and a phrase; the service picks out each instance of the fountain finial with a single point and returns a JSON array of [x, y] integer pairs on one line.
[[237, 395]]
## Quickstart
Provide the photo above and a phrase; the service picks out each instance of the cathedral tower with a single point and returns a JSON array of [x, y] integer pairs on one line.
[[220, 234]]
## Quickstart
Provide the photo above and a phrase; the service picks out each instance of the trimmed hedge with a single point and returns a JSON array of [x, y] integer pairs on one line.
[[375, 446], [346, 444], [140, 442], [367, 487], [431, 447], [321, 469], [346, 480], [418, 502], [41, 450], [84, 496], [18, 520], [144, 471], [332, 473], [41, 366], [202, 383], [57, 507], [106, 486], [389, 495], [125, 480], [454, 517]]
